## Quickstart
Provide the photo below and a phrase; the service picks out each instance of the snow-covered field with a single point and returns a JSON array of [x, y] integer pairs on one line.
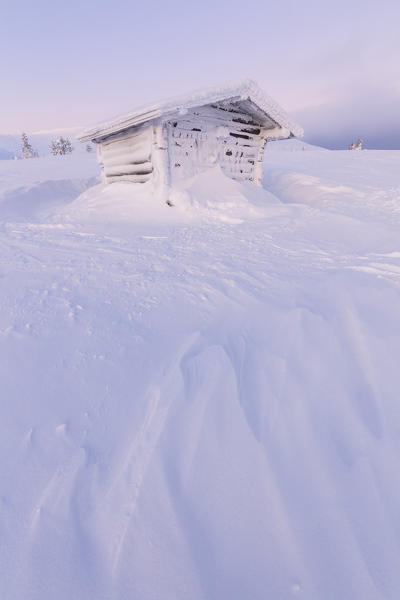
[[201, 401]]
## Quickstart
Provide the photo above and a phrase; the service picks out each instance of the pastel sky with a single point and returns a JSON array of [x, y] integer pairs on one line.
[[333, 65]]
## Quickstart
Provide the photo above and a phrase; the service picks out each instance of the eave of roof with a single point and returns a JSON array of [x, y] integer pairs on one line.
[[246, 89]]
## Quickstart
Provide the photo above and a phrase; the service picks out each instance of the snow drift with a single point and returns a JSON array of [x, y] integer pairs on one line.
[[200, 401], [33, 189]]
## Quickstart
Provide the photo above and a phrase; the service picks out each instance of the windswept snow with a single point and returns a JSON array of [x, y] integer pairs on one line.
[[30, 191], [201, 401]]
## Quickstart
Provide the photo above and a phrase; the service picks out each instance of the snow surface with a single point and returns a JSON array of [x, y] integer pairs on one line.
[[201, 401], [32, 190]]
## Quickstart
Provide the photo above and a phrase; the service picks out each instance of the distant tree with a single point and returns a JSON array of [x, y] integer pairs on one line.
[[54, 149], [26, 150], [358, 145], [89, 148], [61, 146]]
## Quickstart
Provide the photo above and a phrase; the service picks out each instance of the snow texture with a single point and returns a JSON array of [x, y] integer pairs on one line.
[[201, 401], [243, 90]]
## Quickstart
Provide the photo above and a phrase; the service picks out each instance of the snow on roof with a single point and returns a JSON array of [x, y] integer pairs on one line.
[[244, 90]]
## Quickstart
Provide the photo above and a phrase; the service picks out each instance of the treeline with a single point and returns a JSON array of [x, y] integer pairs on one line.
[[58, 147]]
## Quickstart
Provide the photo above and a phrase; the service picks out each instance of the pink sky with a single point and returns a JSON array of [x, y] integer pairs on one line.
[[332, 64]]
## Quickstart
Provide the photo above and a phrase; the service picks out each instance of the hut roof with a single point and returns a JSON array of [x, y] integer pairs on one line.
[[246, 90]]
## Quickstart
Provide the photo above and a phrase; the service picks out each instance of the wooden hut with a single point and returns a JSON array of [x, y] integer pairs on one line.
[[176, 139]]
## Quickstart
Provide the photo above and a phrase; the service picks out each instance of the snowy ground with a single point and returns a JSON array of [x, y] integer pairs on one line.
[[201, 401]]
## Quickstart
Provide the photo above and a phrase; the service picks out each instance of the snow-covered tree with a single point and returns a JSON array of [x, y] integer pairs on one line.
[[356, 145], [89, 148], [61, 146], [26, 150], [54, 147]]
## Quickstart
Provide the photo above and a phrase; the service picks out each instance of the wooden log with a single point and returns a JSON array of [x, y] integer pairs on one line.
[[276, 134], [126, 146], [258, 170], [128, 158], [249, 108], [124, 136], [127, 125], [138, 169], [130, 178]]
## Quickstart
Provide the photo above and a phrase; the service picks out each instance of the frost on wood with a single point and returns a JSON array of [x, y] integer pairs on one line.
[[182, 137], [127, 157]]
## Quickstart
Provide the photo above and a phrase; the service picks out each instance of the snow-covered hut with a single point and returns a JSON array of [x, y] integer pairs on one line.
[[178, 138]]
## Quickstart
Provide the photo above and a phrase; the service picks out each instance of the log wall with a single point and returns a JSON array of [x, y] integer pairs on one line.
[[232, 135], [223, 134], [128, 157]]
